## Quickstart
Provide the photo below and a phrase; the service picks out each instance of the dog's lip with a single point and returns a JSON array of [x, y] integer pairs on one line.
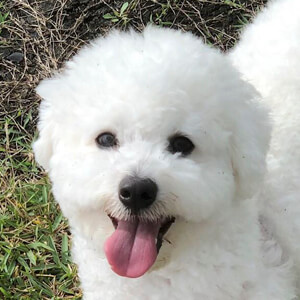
[[166, 223], [165, 226]]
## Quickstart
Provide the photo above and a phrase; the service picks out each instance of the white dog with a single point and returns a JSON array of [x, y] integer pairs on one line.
[[156, 149]]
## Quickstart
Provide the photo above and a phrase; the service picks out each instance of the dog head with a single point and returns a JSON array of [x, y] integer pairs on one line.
[[146, 129]]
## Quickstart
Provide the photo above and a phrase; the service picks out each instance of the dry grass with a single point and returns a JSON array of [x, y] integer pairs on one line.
[[42, 35]]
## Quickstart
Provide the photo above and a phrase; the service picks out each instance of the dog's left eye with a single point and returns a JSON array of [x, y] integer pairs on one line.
[[180, 144], [107, 140]]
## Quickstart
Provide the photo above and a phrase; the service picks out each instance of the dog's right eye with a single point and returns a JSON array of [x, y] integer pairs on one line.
[[107, 140], [180, 144]]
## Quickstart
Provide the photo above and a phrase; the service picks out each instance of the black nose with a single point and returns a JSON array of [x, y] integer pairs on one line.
[[136, 193]]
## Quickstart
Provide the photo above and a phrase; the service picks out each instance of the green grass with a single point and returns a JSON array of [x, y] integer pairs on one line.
[[3, 16], [121, 15], [35, 260]]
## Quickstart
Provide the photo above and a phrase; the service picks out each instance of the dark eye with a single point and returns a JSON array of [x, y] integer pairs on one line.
[[106, 140], [180, 144]]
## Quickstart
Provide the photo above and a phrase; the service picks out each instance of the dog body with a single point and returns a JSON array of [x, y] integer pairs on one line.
[[269, 58], [163, 108]]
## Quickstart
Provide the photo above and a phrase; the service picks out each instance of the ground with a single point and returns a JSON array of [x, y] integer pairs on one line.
[[37, 37]]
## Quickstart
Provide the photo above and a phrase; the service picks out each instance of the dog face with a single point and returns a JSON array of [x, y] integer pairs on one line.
[[148, 129]]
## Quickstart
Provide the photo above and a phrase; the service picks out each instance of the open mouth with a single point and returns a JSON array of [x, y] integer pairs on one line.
[[132, 249]]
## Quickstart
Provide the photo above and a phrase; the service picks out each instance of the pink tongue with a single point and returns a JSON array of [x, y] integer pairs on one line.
[[131, 249]]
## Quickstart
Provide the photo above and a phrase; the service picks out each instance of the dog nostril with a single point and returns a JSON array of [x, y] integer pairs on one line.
[[145, 196], [125, 194]]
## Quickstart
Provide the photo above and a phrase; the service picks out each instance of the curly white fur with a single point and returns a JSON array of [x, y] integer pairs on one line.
[[230, 240], [269, 58]]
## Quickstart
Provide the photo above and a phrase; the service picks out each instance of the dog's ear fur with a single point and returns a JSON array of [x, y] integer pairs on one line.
[[43, 146], [249, 146]]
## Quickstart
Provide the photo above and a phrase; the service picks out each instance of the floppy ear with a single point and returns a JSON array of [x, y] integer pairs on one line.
[[43, 146], [249, 146]]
